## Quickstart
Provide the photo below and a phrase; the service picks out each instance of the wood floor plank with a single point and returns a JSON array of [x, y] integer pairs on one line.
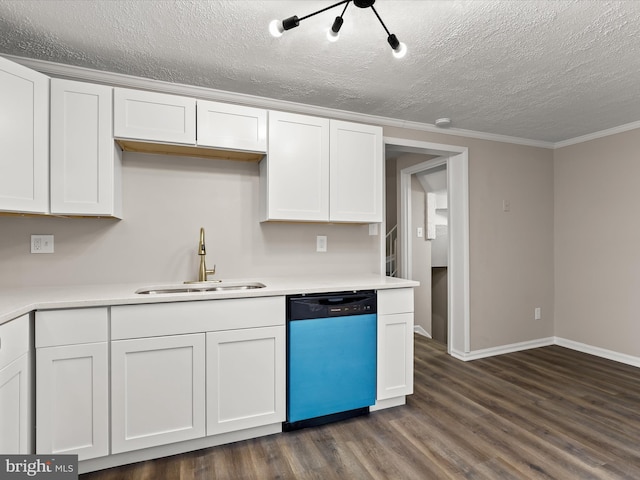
[[546, 413]]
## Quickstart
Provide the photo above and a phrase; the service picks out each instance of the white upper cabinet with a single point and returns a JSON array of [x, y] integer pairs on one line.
[[295, 175], [24, 142], [154, 117], [321, 170], [85, 162], [231, 127], [355, 173]]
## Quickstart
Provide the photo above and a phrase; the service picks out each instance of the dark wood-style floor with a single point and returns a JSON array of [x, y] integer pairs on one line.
[[547, 413]]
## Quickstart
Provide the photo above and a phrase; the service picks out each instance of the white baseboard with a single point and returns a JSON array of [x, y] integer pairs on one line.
[[421, 331], [543, 342], [599, 352], [501, 350]]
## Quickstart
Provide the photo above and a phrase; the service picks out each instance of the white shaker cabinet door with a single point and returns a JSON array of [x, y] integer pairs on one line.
[[72, 400], [154, 117], [395, 355], [295, 174], [15, 387], [245, 378], [231, 127], [356, 173], [395, 343], [24, 139], [15, 407], [85, 162], [158, 391]]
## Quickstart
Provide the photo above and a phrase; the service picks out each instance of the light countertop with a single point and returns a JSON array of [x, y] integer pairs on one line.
[[15, 302]]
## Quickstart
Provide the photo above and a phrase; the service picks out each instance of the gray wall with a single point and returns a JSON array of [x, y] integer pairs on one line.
[[511, 254], [597, 242]]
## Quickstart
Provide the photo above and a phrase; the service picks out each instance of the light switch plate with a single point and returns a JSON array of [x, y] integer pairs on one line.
[[41, 243]]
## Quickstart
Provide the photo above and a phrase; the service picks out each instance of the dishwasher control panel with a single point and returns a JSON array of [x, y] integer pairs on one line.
[[341, 304]]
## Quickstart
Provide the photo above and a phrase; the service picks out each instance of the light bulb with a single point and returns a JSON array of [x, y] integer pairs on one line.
[[334, 31], [276, 29], [400, 51], [332, 36]]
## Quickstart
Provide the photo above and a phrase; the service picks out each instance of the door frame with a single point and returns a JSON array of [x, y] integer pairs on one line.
[[456, 159]]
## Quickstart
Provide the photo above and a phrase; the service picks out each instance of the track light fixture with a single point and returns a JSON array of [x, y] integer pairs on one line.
[[277, 27]]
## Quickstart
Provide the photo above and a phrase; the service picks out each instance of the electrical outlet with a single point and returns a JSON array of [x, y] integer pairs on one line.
[[321, 243], [41, 243], [537, 314], [506, 206]]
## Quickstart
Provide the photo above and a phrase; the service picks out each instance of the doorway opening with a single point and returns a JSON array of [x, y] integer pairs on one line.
[[443, 170]]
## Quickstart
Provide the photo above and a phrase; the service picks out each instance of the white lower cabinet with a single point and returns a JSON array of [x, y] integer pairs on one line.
[[72, 382], [73, 400], [245, 378], [15, 387], [158, 391], [395, 343]]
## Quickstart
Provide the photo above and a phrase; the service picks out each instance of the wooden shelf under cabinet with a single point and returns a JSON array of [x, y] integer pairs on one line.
[[188, 151]]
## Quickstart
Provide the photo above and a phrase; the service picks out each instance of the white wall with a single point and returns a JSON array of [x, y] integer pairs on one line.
[[166, 201]]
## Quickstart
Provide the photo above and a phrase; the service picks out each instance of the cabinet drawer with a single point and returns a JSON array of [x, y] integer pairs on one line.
[[395, 300], [14, 340], [158, 319], [154, 116], [69, 327], [231, 127]]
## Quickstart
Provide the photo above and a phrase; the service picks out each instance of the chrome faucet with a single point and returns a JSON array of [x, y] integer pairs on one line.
[[202, 271]]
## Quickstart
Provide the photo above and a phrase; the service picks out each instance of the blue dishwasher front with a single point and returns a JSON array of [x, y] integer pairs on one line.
[[331, 357]]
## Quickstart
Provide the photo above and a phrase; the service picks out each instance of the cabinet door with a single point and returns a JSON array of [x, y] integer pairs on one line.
[[395, 355], [356, 173], [245, 379], [72, 406], [231, 127], [15, 407], [158, 392], [295, 174], [154, 117], [24, 143], [85, 163]]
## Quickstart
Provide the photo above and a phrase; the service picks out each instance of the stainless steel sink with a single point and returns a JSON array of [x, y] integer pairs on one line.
[[194, 288]]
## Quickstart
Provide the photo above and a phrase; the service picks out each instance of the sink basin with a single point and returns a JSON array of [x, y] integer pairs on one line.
[[194, 288]]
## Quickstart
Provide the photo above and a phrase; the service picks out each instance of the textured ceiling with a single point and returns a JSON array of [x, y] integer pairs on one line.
[[540, 70]]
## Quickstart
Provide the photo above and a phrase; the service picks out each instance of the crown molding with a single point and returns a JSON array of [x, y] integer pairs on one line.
[[595, 135]]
